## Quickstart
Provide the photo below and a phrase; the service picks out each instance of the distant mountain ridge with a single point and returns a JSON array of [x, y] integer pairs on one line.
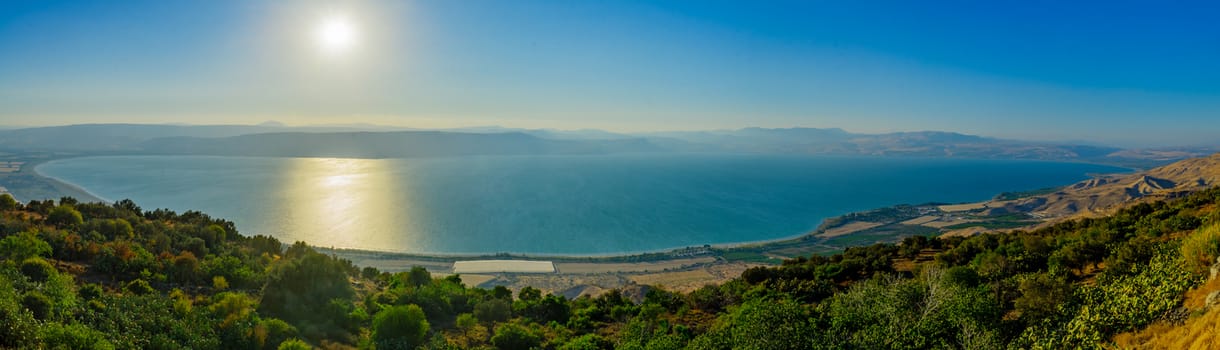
[[396, 144], [278, 140]]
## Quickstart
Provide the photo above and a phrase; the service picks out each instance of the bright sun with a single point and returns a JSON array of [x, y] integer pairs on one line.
[[336, 35]]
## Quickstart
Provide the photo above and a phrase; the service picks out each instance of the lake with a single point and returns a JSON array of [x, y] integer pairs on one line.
[[565, 205]]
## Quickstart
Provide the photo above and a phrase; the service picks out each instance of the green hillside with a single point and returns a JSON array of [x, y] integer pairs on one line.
[[114, 276]]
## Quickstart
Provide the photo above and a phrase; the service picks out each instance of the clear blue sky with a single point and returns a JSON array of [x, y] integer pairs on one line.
[[1119, 72]]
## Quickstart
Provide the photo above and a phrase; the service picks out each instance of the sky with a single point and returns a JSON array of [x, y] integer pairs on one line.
[[1128, 73]]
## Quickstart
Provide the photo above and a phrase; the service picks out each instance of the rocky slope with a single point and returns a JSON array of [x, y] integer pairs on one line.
[[1103, 195]]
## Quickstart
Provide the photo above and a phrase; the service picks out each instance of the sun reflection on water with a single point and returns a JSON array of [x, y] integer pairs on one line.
[[347, 203]]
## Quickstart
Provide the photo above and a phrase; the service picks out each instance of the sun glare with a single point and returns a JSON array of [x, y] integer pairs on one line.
[[336, 35]]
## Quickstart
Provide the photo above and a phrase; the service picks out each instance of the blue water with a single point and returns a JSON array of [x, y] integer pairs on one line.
[[546, 204]]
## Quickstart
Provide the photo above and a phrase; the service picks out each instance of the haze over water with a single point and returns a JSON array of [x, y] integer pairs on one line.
[[546, 204]]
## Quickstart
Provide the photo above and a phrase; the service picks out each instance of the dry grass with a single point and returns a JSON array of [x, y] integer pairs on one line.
[[1202, 332], [1196, 298], [921, 220], [849, 229], [674, 264], [963, 207]]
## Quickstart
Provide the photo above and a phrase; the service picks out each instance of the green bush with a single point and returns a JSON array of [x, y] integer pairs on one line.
[[18, 328], [38, 304], [90, 291], [64, 216], [400, 327], [73, 336], [138, 287], [294, 344], [510, 336], [23, 246], [7, 202], [37, 269]]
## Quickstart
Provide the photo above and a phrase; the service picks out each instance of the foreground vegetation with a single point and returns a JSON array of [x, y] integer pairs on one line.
[[102, 276]]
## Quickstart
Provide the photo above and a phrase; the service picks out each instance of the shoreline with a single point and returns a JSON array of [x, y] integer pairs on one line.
[[92, 197]]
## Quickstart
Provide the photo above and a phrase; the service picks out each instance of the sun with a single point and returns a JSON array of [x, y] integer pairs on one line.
[[336, 35]]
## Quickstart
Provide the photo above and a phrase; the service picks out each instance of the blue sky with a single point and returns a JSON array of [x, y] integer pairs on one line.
[[1118, 72]]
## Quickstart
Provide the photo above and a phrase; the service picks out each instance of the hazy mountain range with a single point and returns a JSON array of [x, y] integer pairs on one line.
[[370, 141]]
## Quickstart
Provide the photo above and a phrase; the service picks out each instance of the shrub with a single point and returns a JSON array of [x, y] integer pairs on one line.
[[511, 336], [7, 202], [23, 246], [37, 269], [73, 336], [294, 344], [138, 287], [400, 327], [90, 291], [1201, 248], [38, 304], [64, 216]]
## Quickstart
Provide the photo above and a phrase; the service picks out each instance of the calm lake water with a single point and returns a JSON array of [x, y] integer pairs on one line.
[[546, 204]]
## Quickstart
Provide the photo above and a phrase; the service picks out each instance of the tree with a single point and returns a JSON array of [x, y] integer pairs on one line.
[[587, 342], [138, 287], [37, 269], [466, 322], [294, 344], [7, 202], [38, 304], [369, 272], [1042, 296], [760, 324], [493, 310], [278, 331], [529, 294], [418, 276], [23, 246], [64, 216], [510, 336], [400, 327], [296, 287], [184, 268]]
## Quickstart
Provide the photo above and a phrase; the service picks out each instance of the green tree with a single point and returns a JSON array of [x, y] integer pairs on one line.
[[38, 304], [37, 269], [466, 322], [529, 294], [369, 272], [418, 276], [278, 331], [73, 336], [760, 324], [493, 310], [301, 289], [587, 342], [64, 216], [138, 287], [294, 344], [510, 336], [23, 246], [18, 328], [7, 202], [1042, 296], [400, 327]]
